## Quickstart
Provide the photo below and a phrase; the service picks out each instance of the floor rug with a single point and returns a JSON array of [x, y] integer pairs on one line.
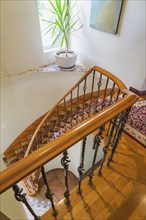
[[136, 123]]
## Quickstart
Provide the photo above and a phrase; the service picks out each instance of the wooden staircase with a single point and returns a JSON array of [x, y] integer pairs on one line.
[[19, 148], [99, 103], [117, 194]]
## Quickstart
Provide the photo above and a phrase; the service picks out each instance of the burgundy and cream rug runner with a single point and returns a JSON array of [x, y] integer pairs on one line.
[[136, 124]]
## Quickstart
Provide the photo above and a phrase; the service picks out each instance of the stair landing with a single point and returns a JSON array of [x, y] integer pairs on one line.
[[119, 193]]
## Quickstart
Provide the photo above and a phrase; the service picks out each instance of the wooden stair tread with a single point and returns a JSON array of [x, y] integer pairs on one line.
[[23, 139], [112, 193], [51, 129]]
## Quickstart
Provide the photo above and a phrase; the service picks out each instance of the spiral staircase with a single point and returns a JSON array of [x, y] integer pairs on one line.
[[99, 103]]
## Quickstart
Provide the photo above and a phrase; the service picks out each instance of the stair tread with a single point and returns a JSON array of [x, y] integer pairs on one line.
[[109, 193], [92, 197]]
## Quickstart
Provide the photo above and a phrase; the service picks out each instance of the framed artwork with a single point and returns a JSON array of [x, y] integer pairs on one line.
[[105, 15]]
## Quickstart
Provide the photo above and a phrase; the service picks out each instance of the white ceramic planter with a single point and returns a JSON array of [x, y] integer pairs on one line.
[[66, 62]]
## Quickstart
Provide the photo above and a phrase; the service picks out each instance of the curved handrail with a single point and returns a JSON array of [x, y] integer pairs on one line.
[[115, 79], [35, 160]]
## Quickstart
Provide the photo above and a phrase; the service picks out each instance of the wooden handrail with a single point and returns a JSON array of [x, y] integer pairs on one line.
[[35, 160], [115, 79]]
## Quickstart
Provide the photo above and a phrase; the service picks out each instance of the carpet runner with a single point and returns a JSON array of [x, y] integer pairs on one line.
[[136, 123]]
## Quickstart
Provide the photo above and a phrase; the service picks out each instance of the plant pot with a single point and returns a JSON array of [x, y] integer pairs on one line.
[[66, 60]]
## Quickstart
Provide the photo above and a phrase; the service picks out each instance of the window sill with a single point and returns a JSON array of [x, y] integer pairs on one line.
[[53, 67]]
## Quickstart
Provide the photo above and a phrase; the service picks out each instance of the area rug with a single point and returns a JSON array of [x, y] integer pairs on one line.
[[136, 123]]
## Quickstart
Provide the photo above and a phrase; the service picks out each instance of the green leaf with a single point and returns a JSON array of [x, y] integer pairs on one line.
[[58, 4], [47, 30], [71, 26], [62, 41], [56, 38], [62, 23], [60, 26], [53, 31], [50, 22], [52, 5]]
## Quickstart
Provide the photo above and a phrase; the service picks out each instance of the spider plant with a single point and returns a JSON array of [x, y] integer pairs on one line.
[[62, 22]]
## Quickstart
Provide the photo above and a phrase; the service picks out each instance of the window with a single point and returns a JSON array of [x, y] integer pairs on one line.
[[43, 6]]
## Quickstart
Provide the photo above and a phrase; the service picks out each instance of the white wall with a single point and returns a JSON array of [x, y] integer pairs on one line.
[[26, 97], [122, 54], [21, 46], [8, 204], [23, 99]]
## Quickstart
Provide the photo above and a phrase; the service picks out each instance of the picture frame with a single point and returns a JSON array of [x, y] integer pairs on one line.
[[105, 15]]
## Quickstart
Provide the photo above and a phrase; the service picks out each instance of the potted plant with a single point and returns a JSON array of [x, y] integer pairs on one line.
[[61, 25]]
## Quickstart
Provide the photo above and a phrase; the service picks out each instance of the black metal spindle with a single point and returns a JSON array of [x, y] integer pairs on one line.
[[96, 144], [65, 116], [49, 194], [81, 167], [118, 94], [109, 127], [91, 95], [84, 89], [118, 134], [105, 148], [58, 119], [21, 197], [77, 103], [111, 94], [52, 125], [99, 84], [47, 130], [71, 117], [42, 129], [116, 99], [36, 142], [104, 95], [64, 162]]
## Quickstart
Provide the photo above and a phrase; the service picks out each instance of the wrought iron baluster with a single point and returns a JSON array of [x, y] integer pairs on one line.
[[41, 136], [47, 131], [105, 148], [96, 144], [36, 142], [77, 102], [64, 162], [104, 95], [91, 95], [109, 126], [111, 93], [118, 94], [52, 125], [49, 194], [71, 109], [117, 97], [58, 121], [123, 95], [84, 88], [65, 116], [118, 133], [21, 197], [99, 84], [44, 133], [39, 141], [81, 167]]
